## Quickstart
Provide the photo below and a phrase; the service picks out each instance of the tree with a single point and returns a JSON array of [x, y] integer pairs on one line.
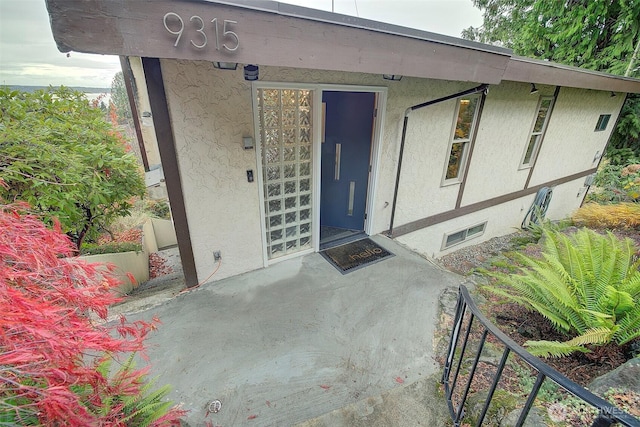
[[54, 359], [601, 35], [120, 98], [60, 155]]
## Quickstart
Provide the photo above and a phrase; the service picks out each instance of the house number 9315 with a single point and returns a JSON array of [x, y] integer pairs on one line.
[[225, 39]]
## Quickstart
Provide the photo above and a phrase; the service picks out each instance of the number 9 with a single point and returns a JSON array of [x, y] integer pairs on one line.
[[175, 33]]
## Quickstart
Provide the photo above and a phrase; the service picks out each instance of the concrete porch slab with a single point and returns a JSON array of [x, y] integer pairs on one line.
[[289, 343]]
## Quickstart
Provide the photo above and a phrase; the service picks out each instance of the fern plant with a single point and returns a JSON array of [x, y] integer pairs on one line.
[[146, 407], [587, 285]]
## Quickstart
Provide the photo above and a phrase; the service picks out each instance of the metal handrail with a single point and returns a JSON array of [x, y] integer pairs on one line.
[[607, 413]]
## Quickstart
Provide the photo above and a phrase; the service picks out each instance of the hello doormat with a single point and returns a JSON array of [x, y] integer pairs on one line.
[[355, 255]]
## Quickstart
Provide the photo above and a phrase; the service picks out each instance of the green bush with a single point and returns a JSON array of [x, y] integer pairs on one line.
[[616, 184], [110, 248], [587, 285]]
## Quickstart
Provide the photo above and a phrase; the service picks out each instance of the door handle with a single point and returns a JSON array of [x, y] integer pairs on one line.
[[336, 173]]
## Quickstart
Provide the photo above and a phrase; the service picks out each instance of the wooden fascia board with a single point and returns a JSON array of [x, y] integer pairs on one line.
[[532, 71], [135, 28]]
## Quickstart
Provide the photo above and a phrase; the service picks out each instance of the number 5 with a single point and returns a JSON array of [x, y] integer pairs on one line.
[[230, 33]]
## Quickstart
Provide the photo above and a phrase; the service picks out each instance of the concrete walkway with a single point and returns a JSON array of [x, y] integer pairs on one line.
[[298, 340]]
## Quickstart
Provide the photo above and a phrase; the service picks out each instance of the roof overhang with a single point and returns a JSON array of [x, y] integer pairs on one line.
[[276, 34], [530, 70]]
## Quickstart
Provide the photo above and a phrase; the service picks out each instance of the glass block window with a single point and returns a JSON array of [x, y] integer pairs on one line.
[[285, 117], [540, 123], [466, 115]]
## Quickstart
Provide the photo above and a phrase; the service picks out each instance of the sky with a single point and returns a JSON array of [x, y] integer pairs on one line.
[[28, 53]]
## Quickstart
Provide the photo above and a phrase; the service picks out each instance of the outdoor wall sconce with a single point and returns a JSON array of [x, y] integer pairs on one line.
[[146, 114], [247, 142], [251, 72], [613, 94], [394, 77], [225, 65], [534, 89]]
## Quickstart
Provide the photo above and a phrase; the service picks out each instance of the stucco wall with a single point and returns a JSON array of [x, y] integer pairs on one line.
[[570, 143], [211, 111], [503, 135]]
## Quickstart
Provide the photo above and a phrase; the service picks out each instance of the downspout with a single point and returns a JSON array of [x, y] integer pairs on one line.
[[481, 88]]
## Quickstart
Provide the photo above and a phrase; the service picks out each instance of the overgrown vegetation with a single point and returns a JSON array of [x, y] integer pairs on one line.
[[54, 359], [110, 248], [587, 285], [60, 155], [616, 184], [618, 216]]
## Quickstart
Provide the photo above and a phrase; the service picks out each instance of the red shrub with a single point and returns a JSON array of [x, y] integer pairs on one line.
[[50, 347]]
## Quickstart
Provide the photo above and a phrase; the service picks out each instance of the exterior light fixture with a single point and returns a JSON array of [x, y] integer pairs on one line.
[[613, 94], [394, 77], [534, 89], [225, 65], [251, 72]]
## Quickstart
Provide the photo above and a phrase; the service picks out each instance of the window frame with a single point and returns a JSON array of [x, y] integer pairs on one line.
[[539, 134], [604, 118], [465, 235], [465, 142]]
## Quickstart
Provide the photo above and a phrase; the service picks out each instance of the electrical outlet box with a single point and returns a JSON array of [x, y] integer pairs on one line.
[[217, 255]]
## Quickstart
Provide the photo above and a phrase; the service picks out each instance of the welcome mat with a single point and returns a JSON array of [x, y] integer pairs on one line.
[[355, 255]]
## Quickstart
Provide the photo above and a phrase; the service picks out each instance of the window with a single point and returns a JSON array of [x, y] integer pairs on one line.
[[603, 121], [544, 107], [466, 116], [462, 235]]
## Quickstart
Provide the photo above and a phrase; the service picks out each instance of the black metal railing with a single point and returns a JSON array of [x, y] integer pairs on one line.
[[467, 314]]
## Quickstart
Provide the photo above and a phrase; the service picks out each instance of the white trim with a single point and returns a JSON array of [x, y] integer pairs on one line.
[[257, 137], [374, 160], [464, 141], [317, 170], [536, 148], [376, 153], [466, 238]]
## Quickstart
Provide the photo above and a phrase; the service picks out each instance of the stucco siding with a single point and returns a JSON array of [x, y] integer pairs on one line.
[[211, 110], [570, 144], [501, 219], [210, 113], [503, 135]]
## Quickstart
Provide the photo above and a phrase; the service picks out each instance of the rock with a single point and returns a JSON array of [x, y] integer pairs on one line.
[[501, 405], [625, 377], [448, 301], [535, 418]]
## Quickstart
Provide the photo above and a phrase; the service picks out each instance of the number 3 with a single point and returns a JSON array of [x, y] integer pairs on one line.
[[201, 31]]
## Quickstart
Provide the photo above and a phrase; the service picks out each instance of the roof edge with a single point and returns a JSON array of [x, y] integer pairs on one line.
[[318, 15]]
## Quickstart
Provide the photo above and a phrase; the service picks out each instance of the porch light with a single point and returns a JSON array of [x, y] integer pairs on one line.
[[613, 94], [225, 65], [251, 72], [534, 89], [394, 77]]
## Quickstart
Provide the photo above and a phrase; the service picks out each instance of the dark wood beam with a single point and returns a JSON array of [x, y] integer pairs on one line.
[[466, 210], [170, 167], [263, 37]]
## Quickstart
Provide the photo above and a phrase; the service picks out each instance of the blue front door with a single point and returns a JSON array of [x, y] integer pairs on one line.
[[346, 153]]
